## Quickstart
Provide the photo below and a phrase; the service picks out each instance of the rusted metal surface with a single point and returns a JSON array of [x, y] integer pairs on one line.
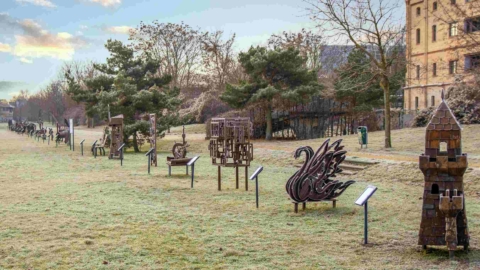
[[179, 150], [313, 181], [116, 136], [153, 138], [444, 220], [230, 145]]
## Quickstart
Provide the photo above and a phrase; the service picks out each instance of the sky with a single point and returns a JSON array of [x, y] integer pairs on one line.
[[37, 36]]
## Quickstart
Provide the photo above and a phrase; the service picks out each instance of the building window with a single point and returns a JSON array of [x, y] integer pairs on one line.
[[433, 101], [435, 6], [418, 72], [453, 29], [472, 25], [434, 69], [418, 36], [434, 33], [452, 67], [472, 61], [418, 11], [416, 103]]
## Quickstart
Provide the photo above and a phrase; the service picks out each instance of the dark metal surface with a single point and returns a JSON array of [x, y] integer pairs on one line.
[[313, 181]]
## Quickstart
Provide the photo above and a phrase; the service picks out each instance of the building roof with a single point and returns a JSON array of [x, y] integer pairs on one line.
[[443, 118], [4, 105]]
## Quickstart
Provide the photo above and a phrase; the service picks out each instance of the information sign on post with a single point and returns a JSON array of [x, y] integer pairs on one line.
[[255, 176], [72, 135], [363, 201], [121, 154], [191, 163], [149, 155], [81, 145]]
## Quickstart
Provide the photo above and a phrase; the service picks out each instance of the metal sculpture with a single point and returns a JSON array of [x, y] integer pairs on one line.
[[153, 138], [179, 152], [63, 133], [444, 220], [116, 136], [313, 181], [230, 145]]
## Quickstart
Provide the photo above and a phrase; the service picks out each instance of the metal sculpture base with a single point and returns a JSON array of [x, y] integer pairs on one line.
[[173, 162], [236, 177], [304, 204]]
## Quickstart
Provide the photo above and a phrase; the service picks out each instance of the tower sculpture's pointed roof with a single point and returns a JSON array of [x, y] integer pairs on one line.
[[443, 118]]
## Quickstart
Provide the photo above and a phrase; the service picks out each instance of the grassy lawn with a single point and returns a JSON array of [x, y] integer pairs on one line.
[[61, 210]]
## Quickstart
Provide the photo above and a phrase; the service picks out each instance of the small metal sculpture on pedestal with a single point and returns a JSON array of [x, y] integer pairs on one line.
[[313, 183], [444, 221], [230, 145], [179, 152], [116, 136], [63, 132]]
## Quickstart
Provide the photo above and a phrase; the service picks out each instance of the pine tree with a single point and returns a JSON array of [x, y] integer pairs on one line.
[[275, 76]]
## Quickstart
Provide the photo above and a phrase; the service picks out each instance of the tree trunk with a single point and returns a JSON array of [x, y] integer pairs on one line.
[[385, 84], [268, 115], [135, 143]]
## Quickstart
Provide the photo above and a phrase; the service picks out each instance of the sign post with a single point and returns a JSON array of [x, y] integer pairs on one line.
[[94, 149], [81, 145], [72, 135], [121, 154], [255, 176], [192, 163], [148, 154], [363, 201]]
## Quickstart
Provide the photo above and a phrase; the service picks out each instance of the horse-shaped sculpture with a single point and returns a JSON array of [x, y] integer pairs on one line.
[[312, 182]]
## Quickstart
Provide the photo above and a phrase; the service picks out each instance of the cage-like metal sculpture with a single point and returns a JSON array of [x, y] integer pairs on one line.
[[230, 145], [116, 136]]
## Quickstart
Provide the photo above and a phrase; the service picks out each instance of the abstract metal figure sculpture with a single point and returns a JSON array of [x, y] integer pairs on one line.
[[312, 182], [444, 220], [230, 145], [116, 136], [179, 152], [63, 133]]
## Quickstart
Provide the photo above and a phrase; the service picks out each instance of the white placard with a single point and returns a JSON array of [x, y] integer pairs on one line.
[[71, 125], [366, 195]]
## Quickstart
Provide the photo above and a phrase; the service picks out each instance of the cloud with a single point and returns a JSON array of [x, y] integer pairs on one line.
[[41, 3], [5, 47], [12, 94], [83, 27], [6, 86], [118, 29], [36, 42], [25, 60], [106, 3]]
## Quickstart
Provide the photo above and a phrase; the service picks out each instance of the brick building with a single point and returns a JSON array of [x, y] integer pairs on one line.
[[441, 37]]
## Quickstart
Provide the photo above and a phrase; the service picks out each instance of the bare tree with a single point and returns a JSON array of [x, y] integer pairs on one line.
[[309, 44], [369, 25], [175, 46]]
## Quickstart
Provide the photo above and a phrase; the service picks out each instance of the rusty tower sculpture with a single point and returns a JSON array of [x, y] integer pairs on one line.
[[230, 145], [444, 220]]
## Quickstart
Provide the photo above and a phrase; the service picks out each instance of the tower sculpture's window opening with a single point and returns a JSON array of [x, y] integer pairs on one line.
[[435, 189], [443, 148]]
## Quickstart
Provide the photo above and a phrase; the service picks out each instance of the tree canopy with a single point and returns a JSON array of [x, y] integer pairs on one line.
[[274, 76]]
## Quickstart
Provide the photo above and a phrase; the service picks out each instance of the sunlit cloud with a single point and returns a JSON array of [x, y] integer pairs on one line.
[[36, 42], [5, 47], [12, 94], [106, 3], [41, 3], [118, 29], [25, 60]]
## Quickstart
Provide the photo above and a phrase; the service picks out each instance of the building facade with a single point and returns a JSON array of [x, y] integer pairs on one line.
[[6, 112], [442, 46]]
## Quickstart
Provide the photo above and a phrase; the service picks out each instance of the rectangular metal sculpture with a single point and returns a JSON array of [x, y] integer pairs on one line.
[[179, 152], [230, 145], [444, 221], [116, 136], [153, 138]]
